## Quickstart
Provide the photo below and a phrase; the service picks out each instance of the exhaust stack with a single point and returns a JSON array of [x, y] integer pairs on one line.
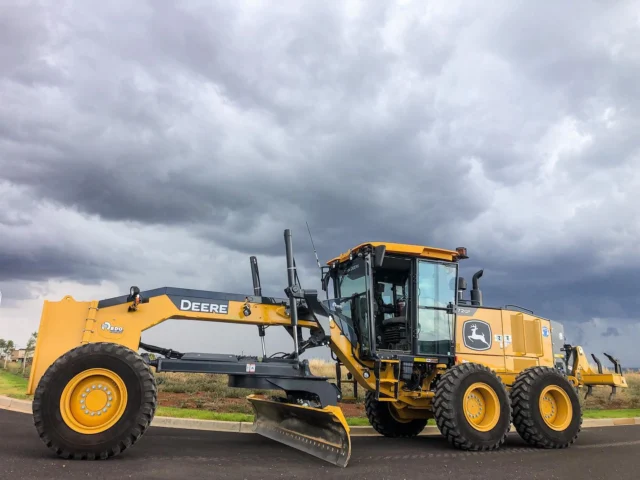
[[476, 294]]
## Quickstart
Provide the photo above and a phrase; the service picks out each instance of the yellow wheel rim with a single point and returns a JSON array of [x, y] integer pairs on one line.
[[555, 408], [93, 401], [481, 407]]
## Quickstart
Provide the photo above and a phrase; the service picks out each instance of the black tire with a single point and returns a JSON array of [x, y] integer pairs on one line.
[[138, 413], [527, 417], [449, 413], [382, 419]]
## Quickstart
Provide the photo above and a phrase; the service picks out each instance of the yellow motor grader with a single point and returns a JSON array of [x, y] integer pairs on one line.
[[394, 316]]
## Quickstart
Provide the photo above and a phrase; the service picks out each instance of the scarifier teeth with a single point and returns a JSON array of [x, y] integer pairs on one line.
[[589, 392], [615, 361]]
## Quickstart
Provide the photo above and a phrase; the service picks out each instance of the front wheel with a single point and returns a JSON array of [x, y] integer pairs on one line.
[[546, 408], [472, 407], [95, 401], [385, 420]]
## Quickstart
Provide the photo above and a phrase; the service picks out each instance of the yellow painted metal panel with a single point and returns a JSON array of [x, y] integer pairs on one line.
[[61, 328], [518, 345], [533, 336], [402, 248], [465, 334]]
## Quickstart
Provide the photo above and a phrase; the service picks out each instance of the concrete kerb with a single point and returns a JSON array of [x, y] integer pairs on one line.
[[15, 405], [5, 403], [24, 406]]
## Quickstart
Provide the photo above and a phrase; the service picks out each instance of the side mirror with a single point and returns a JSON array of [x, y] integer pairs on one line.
[[378, 255], [462, 283], [325, 281]]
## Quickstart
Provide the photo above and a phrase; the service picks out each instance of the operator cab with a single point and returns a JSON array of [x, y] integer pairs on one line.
[[392, 299]]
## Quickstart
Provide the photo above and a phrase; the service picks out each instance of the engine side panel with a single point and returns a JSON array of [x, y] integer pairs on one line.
[[478, 334], [506, 341], [527, 341]]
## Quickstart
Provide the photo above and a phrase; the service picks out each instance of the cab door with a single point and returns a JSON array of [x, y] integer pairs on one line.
[[435, 298], [355, 302]]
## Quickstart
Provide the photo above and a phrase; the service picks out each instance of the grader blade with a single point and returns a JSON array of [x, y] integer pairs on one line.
[[323, 433]]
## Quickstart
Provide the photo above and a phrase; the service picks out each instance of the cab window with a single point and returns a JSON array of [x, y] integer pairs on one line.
[[436, 290]]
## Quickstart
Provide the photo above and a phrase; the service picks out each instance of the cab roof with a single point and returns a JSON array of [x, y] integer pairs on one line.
[[405, 249]]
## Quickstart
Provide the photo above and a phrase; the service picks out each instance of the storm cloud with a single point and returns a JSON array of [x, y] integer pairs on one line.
[[162, 144], [611, 332]]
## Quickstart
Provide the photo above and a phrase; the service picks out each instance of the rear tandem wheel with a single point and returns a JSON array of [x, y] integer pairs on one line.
[[546, 408], [472, 407], [94, 401]]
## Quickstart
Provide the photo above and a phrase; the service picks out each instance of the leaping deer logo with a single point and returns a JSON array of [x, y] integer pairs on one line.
[[477, 336]]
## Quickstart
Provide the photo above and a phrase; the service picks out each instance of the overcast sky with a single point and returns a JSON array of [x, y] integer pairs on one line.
[[159, 145]]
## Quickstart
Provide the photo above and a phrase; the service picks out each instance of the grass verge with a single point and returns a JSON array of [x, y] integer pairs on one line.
[[177, 412], [620, 413], [14, 386]]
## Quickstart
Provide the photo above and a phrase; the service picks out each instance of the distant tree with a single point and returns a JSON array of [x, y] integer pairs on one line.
[[6, 350], [31, 344]]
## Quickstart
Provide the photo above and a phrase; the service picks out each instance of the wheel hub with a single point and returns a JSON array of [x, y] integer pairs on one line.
[[481, 407], [548, 407], [93, 401], [475, 405], [555, 408], [96, 400]]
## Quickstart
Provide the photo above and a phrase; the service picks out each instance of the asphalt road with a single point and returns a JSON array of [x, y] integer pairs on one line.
[[166, 453]]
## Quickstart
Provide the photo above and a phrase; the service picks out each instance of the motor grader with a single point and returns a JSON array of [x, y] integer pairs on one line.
[[395, 316]]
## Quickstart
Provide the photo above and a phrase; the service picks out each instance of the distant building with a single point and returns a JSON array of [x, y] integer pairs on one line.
[[18, 355]]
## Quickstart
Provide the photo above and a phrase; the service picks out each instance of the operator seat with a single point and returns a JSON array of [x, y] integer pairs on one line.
[[394, 321], [398, 319]]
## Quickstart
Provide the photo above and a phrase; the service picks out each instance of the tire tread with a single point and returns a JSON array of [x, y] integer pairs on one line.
[[145, 415], [382, 422], [523, 403], [448, 420]]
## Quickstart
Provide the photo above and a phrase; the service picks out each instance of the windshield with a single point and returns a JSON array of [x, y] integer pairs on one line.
[[352, 280], [351, 309], [436, 284]]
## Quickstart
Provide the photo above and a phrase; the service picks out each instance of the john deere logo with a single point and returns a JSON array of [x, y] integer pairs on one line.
[[476, 335]]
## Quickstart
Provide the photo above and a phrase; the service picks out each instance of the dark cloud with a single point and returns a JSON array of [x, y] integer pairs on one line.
[[14, 291], [52, 262], [611, 332], [154, 141]]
